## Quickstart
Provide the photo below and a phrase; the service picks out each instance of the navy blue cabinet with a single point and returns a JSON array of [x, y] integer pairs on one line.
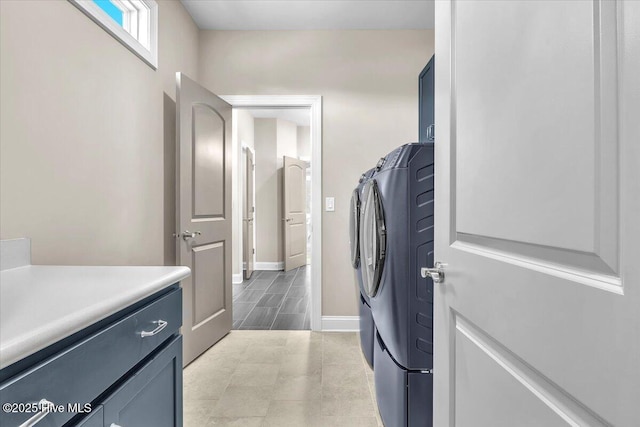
[[128, 367], [95, 419], [426, 105], [153, 396]]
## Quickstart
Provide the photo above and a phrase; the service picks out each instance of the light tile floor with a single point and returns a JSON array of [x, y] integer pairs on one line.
[[281, 378]]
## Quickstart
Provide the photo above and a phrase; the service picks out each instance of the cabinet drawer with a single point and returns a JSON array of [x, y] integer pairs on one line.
[[82, 372], [153, 395]]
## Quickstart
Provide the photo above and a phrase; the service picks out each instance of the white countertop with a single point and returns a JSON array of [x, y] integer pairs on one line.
[[40, 305]]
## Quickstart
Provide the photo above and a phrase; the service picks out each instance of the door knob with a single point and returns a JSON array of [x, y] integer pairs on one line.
[[287, 219], [186, 235], [436, 273]]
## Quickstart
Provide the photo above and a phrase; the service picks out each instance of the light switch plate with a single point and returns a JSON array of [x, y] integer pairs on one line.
[[329, 204]]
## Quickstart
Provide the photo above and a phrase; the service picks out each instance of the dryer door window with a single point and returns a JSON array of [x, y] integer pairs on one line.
[[373, 238], [354, 228]]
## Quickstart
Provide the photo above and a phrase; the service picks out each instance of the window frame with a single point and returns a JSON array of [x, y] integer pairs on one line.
[[148, 54]]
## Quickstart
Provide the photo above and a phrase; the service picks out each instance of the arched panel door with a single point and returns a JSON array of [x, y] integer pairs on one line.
[[373, 238], [203, 218], [295, 213]]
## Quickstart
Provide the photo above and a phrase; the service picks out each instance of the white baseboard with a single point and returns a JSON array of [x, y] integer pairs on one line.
[[236, 279], [272, 266], [341, 323]]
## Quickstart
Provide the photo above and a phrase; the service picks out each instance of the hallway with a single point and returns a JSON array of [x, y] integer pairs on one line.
[[273, 300]]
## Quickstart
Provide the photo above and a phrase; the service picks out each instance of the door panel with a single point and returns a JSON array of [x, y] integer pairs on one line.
[[208, 281], [554, 127], [295, 222], [537, 318], [208, 162], [203, 208], [249, 215], [478, 378]]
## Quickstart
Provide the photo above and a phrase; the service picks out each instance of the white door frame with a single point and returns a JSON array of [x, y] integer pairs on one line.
[[314, 103]]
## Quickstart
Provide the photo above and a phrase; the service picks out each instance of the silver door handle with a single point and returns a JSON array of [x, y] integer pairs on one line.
[[247, 219], [287, 219], [186, 235], [161, 325], [436, 273], [45, 408]]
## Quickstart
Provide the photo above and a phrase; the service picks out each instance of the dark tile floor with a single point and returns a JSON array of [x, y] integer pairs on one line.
[[273, 300]]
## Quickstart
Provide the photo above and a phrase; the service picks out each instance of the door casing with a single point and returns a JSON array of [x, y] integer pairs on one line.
[[314, 103]]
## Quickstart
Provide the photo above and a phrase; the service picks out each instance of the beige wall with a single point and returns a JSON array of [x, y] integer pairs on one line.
[[303, 135], [273, 139], [266, 145], [287, 146], [287, 140], [369, 84], [87, 135]]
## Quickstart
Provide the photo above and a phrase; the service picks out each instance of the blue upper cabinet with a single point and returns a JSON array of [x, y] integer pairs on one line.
[[426, 96]]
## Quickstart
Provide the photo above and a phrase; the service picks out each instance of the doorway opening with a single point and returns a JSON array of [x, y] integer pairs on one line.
[[276, 280]]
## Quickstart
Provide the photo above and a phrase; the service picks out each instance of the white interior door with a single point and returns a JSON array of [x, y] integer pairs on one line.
[[537, 322], [248, 215], [295, 217], [203, 214]]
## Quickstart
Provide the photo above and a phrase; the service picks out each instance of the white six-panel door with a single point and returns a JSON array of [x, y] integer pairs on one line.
[[538, 211]]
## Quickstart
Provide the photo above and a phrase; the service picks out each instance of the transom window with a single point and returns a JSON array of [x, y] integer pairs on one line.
[[132, 22]]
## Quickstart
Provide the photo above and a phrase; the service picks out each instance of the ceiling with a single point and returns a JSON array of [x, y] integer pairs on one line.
[[311, 14], [299, 116]]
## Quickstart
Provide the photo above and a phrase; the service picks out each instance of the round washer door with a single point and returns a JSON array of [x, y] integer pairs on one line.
[[354, 228], [373, 238]]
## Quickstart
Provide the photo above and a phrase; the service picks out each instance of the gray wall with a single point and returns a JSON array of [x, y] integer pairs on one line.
[[369, 84], [87, 135]]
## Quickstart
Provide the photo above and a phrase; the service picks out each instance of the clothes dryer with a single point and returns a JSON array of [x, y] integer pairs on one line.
[[396, 241]]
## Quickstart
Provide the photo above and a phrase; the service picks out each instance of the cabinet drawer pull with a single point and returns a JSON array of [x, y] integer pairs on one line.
[[45, 408], [161, 325]]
